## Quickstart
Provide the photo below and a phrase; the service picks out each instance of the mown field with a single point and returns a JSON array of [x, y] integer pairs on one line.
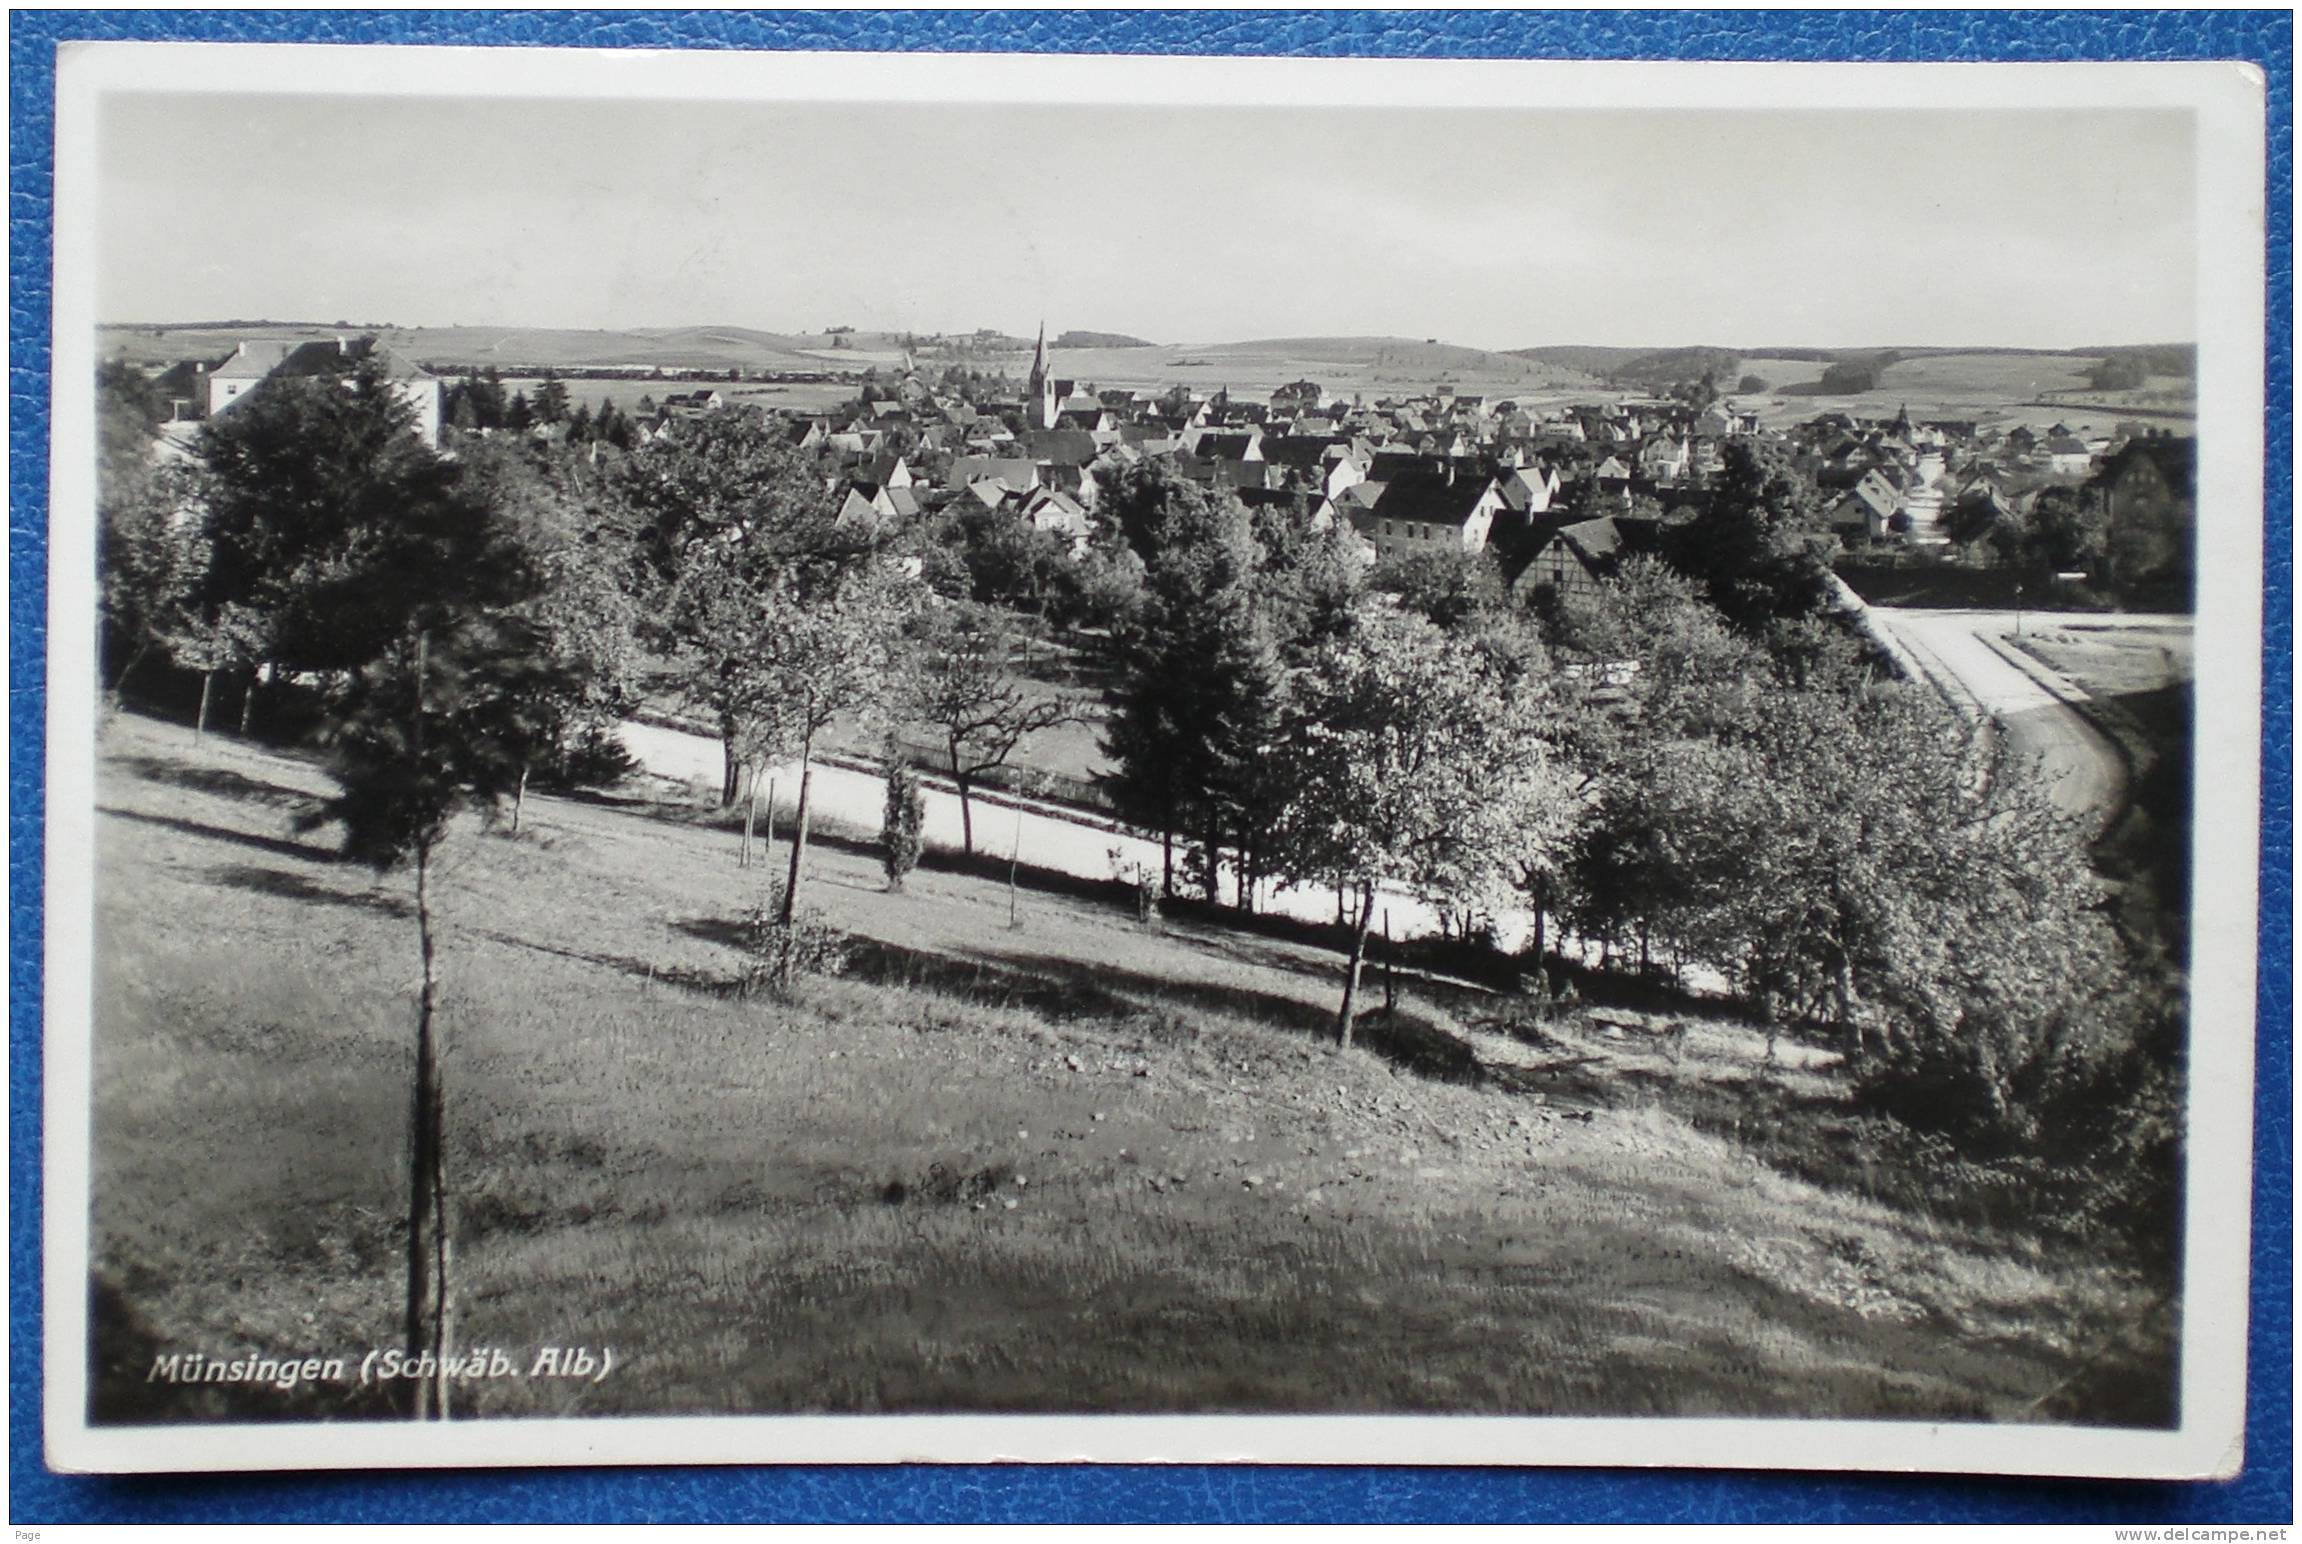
[[1997, 389], [1074, 1164], [1377, 367]]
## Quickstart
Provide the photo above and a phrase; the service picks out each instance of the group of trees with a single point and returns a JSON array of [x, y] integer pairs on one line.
[[1852, 375], [2130, 368], [1695, 767], [480, 403], [1849, 854]]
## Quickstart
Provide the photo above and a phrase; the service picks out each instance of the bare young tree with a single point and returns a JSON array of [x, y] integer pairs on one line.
[[967, 687]]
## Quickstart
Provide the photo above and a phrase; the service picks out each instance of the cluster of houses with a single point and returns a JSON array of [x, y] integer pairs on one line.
[[1891, 480], [200, 389], [1560, 493]]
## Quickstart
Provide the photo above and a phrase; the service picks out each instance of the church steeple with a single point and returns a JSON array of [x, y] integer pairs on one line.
[[1042, 383]]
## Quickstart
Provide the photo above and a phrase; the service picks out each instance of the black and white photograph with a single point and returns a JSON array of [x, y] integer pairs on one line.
[[1308, 761]]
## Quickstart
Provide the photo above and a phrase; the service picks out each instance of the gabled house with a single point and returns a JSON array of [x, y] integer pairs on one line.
[[1573, 559], [1074, 482], [1221, 473], [1664, 460], [1432, 513], [1058, 514], [1017, 472], [1225, 444], [244, 369], [1867, 510], [259, 360], [2066, 455], [1535, 487]]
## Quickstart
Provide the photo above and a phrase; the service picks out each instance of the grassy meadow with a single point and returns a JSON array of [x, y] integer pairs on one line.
[[1077, 1164], [2002, 390]]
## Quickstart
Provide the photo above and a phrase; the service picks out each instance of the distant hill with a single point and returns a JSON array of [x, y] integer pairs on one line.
[[1652, 369], [1588, 358], [1405, 356], [509, 348], [1078, 339]]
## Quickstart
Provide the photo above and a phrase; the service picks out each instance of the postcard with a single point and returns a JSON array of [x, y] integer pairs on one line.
[[764, 758]]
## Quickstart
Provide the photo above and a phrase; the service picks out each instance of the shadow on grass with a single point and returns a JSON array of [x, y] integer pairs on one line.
[[278, 846], [1060, 988], [221, 781], [295, 887], [701, 982]]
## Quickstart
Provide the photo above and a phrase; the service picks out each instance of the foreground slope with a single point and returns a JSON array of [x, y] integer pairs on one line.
[[1078, 1164]]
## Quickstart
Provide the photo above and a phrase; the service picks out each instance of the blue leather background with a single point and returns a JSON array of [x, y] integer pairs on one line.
[[2263, 1495]]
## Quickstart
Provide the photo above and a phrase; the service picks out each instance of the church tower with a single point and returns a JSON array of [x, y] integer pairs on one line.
[[1042, 405]]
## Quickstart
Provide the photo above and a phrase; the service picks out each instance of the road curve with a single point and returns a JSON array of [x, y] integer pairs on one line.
[[1968, 657]]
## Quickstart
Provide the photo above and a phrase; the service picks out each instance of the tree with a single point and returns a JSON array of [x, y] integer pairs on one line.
[[151, 552], [1450, 588], [151, 556], [1976, 515], [1196, 691], [520, 416], [610, 426], [582, 617], [412, 738], [414, 726], [1751, 386], [1010, 562], [551, 400], [967, 688], [719, 513], [1748, 547], [129, 412], [1306, 581], [306, 478], [900, 827], [1403, 761], [2066, 532], [1850, 378], [826, 649]]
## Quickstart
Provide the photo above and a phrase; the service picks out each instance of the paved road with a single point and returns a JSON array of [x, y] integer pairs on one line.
[[1955, 650], [1048, 837]]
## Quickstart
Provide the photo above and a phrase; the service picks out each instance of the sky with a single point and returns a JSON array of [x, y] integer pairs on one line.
[[1496, 228]]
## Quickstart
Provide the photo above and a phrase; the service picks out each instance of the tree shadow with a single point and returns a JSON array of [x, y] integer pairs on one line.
[[278, 846], [701, 982], [295, 887], [1413, 1044], [221, 781]]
